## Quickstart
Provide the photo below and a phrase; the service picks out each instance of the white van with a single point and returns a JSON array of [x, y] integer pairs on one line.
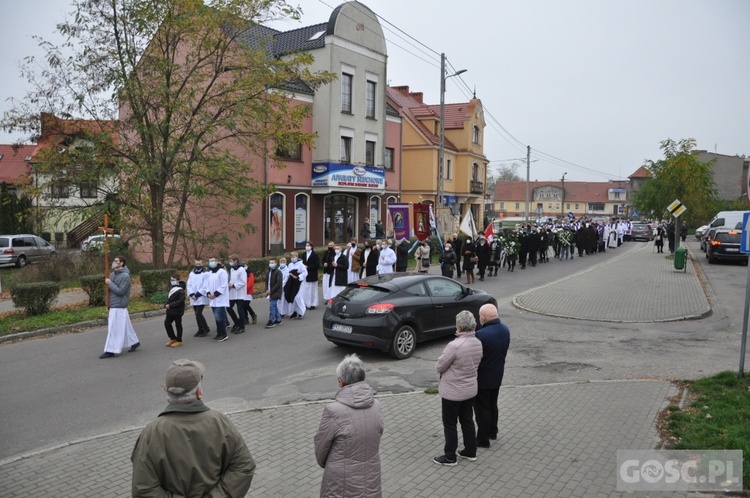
[[727, 219]]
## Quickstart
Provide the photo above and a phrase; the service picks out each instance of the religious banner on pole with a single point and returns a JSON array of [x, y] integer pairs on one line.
[[467, 225], [421, 221], [399, 215]]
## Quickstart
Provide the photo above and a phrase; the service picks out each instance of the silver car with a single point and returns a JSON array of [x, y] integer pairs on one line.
[[24, 248]]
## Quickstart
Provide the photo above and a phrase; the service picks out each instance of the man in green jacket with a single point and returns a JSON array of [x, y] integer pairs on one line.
[[190, 450]]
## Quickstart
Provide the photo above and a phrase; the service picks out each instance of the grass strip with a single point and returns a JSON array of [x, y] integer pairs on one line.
[[718, 418]]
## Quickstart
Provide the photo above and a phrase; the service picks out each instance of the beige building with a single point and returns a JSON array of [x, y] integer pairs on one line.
[[465, 170]]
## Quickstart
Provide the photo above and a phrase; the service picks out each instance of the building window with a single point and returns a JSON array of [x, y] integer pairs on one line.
[[370, 104], [557, 206], [576, 207], [369, 153], [60, 190], [549, 206], [289, 152], [502, 205], [567, 206], [88, 189], [517, 205], [475, 135], [346, 150], [597, 206], [475, 172], [388, 158], [448, 173], [347, 82], [617, 195]]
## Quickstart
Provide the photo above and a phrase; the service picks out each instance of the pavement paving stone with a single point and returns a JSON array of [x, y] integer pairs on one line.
[[556, 440], [604, 292]]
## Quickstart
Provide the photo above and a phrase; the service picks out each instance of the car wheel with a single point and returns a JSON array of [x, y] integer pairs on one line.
[[21, 261], [404, 342], [711, 259]]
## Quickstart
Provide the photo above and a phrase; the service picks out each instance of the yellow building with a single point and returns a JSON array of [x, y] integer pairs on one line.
[[465, 172]]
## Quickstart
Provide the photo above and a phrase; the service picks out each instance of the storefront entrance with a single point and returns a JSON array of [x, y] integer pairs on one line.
[[340, 218]]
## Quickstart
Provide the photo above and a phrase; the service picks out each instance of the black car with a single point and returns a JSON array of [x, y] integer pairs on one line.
[[725, 244], [394, 312]]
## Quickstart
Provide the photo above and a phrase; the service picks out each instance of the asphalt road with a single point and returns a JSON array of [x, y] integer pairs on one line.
[[56, 390]]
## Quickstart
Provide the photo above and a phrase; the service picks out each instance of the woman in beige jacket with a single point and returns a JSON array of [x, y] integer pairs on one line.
[[421, 253]]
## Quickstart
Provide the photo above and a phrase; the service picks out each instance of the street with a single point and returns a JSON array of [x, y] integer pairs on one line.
[[57, 390]]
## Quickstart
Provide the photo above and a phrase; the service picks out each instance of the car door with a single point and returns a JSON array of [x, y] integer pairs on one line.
[[448, 299], [44, 248], [31, 249], [416, 302]]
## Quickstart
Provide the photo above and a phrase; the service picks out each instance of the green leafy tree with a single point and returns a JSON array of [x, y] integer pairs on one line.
[[678, 176], [186, 103]]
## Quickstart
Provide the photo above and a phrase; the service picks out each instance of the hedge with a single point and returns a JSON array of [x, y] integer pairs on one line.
[[36, 298], [94, 286], [153, 281]]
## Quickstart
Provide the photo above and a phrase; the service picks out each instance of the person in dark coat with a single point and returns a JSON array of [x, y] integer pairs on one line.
[[456, 245], [484, 253], [369, 259], [534, 243], [523, 248], [659, 239], [671, 236], [469, 252], [683, 232], [274, 291], [448, 261], [495, 339], [175, 307], [543, 245], [402, 255]]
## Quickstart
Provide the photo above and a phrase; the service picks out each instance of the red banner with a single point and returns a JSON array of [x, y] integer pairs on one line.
[[421, 221]]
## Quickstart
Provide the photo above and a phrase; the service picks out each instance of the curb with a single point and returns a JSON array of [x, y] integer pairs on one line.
[[41, 451]]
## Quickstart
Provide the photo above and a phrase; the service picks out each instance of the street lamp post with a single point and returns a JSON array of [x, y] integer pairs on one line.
[[441, 150]]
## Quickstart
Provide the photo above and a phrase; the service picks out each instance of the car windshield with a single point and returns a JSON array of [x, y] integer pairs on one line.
[[361, 294], [640, 227], [735, 237]]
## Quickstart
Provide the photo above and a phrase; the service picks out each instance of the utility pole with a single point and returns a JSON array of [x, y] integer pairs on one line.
[[562, 200], [528, 172], [441, 150]]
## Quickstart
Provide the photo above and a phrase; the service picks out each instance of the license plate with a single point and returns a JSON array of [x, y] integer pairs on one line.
[[346, 329], [732, 249]]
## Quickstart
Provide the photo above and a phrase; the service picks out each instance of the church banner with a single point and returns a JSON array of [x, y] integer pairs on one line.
[[421, 221], [399, 214]]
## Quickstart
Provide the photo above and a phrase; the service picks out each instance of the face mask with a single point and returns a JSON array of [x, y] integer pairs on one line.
[[337, 252], [282, 266], [212, 264], [330, 248], [114, 265], [307, 248], [198, 267], [294, 260], [231, 264], [173, 282], [272, 265]]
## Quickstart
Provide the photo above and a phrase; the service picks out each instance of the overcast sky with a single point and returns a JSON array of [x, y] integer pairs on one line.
[[595, 83]]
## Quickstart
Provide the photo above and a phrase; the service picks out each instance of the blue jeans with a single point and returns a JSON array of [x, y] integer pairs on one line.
[[274, 315], [220, 314]]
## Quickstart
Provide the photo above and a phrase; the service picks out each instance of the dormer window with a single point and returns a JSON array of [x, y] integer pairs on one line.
[[475, 135], [316, 35]]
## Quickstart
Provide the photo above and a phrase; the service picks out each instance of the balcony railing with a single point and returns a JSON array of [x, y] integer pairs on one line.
[[477, 187]]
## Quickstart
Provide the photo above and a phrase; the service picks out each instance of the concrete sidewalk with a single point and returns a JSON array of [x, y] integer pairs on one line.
[[555, 440], [605, 292]]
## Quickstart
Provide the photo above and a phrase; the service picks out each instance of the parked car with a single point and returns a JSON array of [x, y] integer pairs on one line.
[[700, 231], [24, 248], [725, 245], [96, 242], [396, 311], [641, 231]]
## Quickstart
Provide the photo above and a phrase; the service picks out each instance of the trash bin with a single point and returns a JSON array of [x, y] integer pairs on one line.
[[680, 257]]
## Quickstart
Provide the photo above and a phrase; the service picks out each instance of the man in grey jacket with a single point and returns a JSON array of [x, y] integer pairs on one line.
[[120, 333], [190, 450]]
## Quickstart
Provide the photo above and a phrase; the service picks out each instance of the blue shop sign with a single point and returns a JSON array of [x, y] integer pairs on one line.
[[347, 176]]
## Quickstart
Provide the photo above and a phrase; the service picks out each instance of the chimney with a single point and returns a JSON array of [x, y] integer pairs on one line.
[[403, 89], [418, 96]]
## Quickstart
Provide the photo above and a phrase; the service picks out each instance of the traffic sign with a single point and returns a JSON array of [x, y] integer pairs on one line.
[[676, 208], [745, 245]]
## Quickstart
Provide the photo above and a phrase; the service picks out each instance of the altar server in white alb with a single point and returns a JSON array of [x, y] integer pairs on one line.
[[387, 258], [120, 333]]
